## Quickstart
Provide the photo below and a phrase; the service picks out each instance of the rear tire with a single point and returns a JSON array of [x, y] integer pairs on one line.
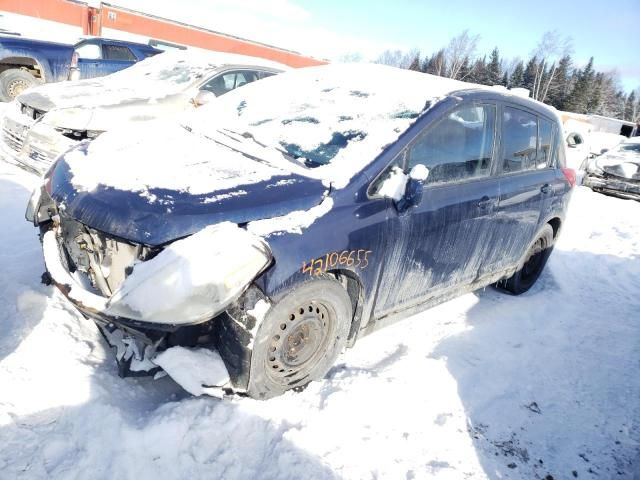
[[13, 82], [300, 338], [532, 265]]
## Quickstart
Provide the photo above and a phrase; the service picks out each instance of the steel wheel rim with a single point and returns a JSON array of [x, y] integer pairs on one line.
[[17, 87], [301, 339]]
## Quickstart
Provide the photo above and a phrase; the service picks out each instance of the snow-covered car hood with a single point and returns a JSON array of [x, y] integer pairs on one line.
[[153, 193], [623, 161]]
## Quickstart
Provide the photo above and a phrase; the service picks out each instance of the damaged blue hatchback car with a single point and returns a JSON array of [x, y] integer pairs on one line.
[[287, 219]]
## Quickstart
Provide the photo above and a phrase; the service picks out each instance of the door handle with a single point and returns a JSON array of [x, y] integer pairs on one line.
[[546, 188], [485, 202]]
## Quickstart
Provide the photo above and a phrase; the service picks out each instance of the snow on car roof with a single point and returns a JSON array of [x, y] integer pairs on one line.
[[333, 119]]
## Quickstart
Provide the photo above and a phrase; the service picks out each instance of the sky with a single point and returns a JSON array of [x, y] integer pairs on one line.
[[330, 29]]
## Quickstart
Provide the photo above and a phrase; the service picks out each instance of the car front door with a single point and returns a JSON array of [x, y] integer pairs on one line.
[[89, 59], [526, 184], [441, 243]]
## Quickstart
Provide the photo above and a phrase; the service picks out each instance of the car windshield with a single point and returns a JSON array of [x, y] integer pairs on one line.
[[338, 117]]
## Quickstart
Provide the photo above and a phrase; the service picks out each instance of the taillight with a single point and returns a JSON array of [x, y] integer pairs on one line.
[[570, 175], [74, 60]]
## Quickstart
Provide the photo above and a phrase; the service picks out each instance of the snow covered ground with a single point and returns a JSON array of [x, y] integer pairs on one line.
[[546, 385]]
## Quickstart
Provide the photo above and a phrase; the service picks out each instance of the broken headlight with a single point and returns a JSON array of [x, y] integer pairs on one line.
[[193, 279], [79, 134]]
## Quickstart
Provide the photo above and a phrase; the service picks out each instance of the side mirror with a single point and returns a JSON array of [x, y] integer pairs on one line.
[[413, 190], [202, 98]]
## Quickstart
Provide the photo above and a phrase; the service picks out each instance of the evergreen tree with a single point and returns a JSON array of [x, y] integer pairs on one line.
[[479, 72], [630, 112], [529, 75], [494, 71], [436, 65], [581, 93], [465, 70], [505, 79], [594, 98], [517, 76], [415, 63], [559, 87]]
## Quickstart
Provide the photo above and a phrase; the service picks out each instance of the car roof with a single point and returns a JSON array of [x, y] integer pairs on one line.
[[499, 93]]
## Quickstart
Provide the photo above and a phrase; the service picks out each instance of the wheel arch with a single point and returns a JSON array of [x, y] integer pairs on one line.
[[555, 223], [355, 289], [28, 63]]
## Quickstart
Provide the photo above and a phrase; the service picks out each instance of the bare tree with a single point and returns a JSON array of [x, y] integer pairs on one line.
[[393, 58], [350, 57], [460, 47], [551, 47]]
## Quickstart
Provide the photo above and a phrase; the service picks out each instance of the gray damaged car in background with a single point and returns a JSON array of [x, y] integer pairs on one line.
[[616, 172], [46, 121]]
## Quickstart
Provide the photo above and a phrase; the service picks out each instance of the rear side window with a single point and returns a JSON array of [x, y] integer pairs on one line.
[[458, 147], [228, 81], [118, 52], [89, 51], [559, 158], [519, 137], [545, 134]]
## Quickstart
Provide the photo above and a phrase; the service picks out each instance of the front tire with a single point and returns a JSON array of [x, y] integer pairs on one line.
[[532, 265], [15, 81], [300, 338]]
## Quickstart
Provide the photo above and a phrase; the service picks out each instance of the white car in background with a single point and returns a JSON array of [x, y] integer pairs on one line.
[[45, 121]]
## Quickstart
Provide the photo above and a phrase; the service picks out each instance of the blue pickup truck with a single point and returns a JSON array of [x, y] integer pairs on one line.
[[26, 62]]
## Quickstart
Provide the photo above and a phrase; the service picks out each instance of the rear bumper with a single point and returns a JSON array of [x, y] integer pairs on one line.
[[615, 186]]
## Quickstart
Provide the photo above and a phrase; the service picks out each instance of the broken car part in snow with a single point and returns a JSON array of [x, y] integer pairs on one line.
[[397, 195]]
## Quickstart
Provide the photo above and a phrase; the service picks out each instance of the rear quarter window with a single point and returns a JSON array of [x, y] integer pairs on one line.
[[519, 140], [117, 52]]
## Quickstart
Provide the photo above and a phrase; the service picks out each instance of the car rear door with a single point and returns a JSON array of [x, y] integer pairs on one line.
[[526, 184], [441, 243]]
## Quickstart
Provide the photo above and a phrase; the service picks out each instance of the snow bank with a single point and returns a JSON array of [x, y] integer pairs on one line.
[[485, 386], [199, 371]]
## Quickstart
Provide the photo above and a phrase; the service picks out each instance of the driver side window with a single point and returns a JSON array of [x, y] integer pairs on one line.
[[458, 147]]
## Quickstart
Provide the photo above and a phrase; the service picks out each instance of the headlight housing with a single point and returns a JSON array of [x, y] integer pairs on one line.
[[193, 279]]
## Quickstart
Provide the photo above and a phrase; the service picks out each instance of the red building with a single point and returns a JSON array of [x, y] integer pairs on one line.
[[122, 23]]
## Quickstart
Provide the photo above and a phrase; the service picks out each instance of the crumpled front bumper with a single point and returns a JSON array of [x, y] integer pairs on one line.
[[136, 343], [610, 185]]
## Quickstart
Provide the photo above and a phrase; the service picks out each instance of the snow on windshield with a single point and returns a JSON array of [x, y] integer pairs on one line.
[[334, 118]]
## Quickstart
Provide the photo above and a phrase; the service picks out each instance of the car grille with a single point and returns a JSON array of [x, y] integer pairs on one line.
[[39, 156], [31, 112], [12, 139]]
